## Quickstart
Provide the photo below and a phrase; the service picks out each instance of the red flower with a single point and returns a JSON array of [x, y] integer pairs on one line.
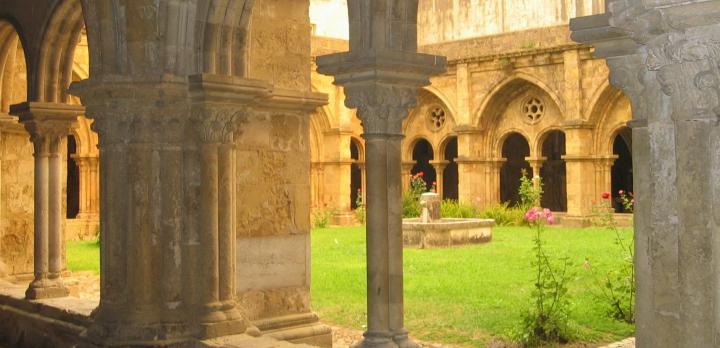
[[606, 195], [420, 174], [434, 182], [359, 190]]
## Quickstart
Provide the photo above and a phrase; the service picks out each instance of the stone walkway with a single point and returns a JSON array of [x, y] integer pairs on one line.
[[626, 343]]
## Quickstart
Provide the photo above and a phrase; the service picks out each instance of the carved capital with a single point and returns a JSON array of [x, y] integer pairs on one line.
[[381, 108], [48, 123], [216, 125]]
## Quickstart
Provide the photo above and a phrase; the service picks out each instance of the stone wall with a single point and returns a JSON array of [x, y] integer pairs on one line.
[[273, 159], [16, 200], [449, 20]]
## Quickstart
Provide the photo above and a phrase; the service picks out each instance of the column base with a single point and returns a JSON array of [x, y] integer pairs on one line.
[[343, 219], [222, 328], [46, 288], [575, 221], [379, 340]]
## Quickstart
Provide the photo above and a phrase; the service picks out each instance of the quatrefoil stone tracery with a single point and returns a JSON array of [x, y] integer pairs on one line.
[[533, 109], [436, 118]]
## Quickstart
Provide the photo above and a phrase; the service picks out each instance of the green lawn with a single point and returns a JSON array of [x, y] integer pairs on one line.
[[83, 256], [464, 295], [469, 294]]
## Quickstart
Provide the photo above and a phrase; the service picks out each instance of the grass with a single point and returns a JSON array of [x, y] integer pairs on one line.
[[465, 296], [469, 295], [83, 256]]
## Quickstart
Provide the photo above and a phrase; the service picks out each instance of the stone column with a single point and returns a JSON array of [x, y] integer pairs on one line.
[[89, 187], [363, 181], [382, 83], [579, 168], [665, 57], [168, 203], [536, 164], [407, 167], [49, 124], [439, 169], [603, 175]]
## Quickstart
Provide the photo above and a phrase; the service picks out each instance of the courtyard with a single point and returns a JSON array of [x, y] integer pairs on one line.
[[470, 296]]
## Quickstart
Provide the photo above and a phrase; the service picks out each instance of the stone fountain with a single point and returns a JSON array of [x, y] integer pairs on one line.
[[430, 230]]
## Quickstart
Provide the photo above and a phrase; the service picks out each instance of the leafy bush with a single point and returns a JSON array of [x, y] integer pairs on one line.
[[547, 321], [451, 208], [503, 214], [411, 197], [321, 217], [530, 191], [360, 212], [617, 287]]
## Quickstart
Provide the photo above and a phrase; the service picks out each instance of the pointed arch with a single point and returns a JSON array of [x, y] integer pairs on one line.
[[505, 91]]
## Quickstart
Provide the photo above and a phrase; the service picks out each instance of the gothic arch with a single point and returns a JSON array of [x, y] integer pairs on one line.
[[500, 141], [57, 52], [610, 113], [516, 84], [11, 48], [411, 146], [198, 37]]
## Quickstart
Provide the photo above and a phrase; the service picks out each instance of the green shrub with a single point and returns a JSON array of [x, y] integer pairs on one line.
[[547, 320], [503, 214], [451, 208], [321, 217], [530, 193], [411, 197]]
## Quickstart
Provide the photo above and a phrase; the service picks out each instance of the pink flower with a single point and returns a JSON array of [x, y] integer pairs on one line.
[[532, 215], [359, 190], [551, 220], [622, 192], [434, 183], [606, 195], [421, 174]]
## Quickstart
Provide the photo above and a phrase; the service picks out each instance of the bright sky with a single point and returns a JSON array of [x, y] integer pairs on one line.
[[330, 18]]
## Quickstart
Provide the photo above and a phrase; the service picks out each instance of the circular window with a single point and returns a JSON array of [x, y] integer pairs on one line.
[[436, 117], [533, 109]]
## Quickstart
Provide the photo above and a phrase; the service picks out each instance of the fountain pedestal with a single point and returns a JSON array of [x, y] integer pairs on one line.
[[433, 231]]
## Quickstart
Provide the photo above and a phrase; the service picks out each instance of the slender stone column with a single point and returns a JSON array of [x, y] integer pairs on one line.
[[383, 85], [439, 167], [363, 181], [407, 167], [49, 124], [664, 56], [89, 185], [536, 164]]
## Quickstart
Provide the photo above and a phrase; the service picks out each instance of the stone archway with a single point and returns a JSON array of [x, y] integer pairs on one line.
[[622, 168], [450, 173], [422, 154], [553, 172], [515, 149]]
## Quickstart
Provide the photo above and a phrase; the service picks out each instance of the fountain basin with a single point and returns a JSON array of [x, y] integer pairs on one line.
[[446, 232]]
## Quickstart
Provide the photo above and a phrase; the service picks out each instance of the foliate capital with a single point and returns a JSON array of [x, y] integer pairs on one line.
[[381, 107]]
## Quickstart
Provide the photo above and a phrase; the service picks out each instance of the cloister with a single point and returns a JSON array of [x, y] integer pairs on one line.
[[201, 147]]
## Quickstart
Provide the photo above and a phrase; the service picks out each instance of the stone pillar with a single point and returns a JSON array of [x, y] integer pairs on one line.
[[579, 168], [439, 172], [381, 75], [407, 167], [665, 57], [49, 124], [168, 203], [89, 187], [363, 181], [603, 175]]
